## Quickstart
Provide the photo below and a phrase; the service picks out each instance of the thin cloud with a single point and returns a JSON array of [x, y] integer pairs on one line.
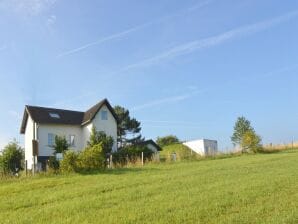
[[100, 41], [167, 100], [27, 7], [172, 126], [170, 122], [134, 29], [160, 101], [51, 21], [195, 91], [262, 76], [281, 70], [200, 5], [200, 44]]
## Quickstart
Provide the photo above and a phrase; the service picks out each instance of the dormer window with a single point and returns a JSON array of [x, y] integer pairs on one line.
[[54, 115], [104, 115]]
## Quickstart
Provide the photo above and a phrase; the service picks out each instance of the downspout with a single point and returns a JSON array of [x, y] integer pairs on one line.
[[33, 130]]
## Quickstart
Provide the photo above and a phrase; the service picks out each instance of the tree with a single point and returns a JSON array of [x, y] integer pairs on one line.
[[167, 140], [251, 142], [61, 144], [242, 125], [12, 158], [100, 137], [245, 136], [128, 128]]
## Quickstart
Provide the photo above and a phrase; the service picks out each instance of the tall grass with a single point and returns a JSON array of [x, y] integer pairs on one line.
[[270, 148]]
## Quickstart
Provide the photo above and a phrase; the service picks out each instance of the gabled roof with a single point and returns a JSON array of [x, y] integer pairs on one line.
[[42, 115], [90, 114], [150, 141]]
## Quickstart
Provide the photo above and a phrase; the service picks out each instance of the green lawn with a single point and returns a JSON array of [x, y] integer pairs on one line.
[[246, 189]]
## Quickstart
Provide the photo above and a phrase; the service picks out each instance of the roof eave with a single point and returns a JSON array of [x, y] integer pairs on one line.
[[24, 120]]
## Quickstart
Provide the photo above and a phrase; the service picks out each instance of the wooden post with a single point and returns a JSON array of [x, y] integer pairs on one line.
[[33, 169], [142, 158], [111, 161], [26, 168]]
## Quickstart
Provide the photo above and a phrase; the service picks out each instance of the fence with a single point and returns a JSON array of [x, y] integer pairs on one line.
[[129, 160], [284, 146]]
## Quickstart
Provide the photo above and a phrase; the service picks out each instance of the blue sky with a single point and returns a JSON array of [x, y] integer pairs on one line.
[[188, 68]]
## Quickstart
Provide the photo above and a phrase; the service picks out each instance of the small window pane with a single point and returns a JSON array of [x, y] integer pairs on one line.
[[104, 115], [51, 139], [54, 115], [71, 140]]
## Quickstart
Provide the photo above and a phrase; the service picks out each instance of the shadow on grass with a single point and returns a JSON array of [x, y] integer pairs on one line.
[[274, 151], [118, 171]]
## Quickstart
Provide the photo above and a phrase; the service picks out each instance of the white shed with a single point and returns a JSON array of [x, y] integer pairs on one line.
[[203, 146]]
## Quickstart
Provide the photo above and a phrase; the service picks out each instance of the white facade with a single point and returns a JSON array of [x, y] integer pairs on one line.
[[108, 126], [81, 133], [29, 136], [203, 146]]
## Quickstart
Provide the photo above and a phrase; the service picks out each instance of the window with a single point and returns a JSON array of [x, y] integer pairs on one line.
[[104, 115], [51, 139], [71, 140], [54, 115]]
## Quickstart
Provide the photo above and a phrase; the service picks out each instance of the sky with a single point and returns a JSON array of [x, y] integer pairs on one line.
[[187, 68]]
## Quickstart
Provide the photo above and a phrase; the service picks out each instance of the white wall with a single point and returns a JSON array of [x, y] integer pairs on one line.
[[203, 146], [60, 130], [108, 126], [196, 145], [211, 147], [28, 142], [86, 131]]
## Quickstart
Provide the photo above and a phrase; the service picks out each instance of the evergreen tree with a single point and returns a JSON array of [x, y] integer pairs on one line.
[[128, 128]]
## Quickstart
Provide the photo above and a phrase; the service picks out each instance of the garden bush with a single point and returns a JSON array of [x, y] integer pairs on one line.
[[92, 158], [132, 154], [53, 164], [69, 162]]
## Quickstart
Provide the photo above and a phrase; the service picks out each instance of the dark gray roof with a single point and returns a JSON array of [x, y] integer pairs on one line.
[[150, 141], [90, 114], [41, 115]]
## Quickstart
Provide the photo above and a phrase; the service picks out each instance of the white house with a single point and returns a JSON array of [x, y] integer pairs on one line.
[[203, 146], [40, 125]]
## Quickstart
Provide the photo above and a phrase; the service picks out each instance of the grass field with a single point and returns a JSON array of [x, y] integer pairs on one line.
[[259, 188]]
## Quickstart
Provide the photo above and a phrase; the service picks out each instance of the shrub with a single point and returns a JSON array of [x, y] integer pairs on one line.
[[98, 137], [53, 164], [132, 153], [69, 162], [92, 158], [12, 158], [167, 140]]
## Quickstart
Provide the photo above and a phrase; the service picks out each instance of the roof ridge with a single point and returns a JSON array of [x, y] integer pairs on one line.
[[51, 108]]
